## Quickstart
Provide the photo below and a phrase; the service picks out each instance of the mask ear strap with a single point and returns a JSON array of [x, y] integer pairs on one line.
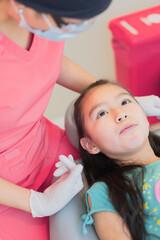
[[21, 12], [47, 20]]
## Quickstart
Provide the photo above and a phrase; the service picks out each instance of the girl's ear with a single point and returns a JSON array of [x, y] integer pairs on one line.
[[89, 146], [17, 5]]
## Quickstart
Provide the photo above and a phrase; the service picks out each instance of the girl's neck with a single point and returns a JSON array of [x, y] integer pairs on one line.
[[142, 157]]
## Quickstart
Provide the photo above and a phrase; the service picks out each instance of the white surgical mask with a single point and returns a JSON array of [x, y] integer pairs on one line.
[[56, 33]]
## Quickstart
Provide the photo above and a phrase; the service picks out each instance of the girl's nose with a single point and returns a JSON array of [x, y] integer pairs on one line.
[[121, 117]]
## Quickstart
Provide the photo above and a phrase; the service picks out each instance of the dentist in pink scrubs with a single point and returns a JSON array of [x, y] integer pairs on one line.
[[32, 34]]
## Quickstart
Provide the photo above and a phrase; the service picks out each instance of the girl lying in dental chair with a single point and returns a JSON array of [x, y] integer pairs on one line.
[[121, 161]]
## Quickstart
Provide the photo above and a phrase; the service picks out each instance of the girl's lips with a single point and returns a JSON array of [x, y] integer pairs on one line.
[[128, 127]]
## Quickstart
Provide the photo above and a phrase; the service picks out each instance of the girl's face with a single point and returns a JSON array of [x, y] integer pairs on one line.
[[114, 122]]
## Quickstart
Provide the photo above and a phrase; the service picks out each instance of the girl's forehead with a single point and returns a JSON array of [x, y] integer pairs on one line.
[[106, 94], [109, 91]]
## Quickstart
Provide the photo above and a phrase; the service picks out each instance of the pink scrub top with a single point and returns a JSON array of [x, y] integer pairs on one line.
[[29, 143]]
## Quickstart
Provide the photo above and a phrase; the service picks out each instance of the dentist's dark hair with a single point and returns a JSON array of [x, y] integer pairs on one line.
[[99, 167], [81, 9]]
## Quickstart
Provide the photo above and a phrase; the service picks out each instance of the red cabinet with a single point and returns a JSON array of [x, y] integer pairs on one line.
[[136, 44]]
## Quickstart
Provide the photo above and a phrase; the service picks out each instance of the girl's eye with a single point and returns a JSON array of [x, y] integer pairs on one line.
[[101, 114], [125, 102]]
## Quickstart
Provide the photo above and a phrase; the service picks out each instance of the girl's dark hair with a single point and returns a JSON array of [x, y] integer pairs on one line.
[[99, 167]]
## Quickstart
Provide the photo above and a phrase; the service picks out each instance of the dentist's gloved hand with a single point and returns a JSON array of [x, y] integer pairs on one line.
[[59, 193], [150, 105], [62, 167]]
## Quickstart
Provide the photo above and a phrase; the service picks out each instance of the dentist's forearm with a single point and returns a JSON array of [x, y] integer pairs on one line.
[[74, 77], [54, 198], [14, 196]]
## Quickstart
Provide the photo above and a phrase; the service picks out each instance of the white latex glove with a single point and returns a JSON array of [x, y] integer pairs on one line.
[[59, 193], [150, 105], [62, 167]]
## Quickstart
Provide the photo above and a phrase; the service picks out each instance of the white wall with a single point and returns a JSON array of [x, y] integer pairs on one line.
[[92, 50]]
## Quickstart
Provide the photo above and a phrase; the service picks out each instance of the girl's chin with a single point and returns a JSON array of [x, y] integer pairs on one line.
[[134, 143]]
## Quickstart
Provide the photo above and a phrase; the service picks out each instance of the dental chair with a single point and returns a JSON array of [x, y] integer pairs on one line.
[[67, 223]]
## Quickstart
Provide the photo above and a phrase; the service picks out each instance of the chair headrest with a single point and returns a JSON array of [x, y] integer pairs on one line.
[[70, 126]]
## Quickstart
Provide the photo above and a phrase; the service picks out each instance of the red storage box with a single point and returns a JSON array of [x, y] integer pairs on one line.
[[136, 44]]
